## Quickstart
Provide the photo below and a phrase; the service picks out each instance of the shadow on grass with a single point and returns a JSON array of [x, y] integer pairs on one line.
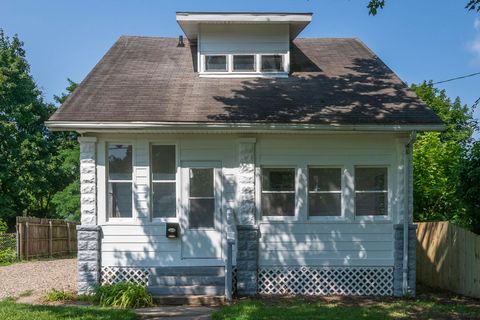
[[13, 311]]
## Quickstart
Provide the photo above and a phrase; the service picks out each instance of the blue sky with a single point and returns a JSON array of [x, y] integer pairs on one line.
[[419, 40]]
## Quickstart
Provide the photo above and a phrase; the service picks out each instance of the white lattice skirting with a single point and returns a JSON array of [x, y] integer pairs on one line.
[[364, 281], [111, 275]]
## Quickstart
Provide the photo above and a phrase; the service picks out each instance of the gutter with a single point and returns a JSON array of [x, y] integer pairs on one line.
[[408, 213]]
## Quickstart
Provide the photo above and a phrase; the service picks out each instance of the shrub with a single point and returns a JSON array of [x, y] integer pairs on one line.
[[7, 256], [123, 295], [56, 295]]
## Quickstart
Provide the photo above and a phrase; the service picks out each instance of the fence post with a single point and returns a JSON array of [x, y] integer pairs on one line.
[[50, 239], [68, 238], [27, 242]]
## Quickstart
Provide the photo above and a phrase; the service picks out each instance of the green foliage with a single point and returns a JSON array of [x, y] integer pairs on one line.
[[7, 256], [123, 295], [58, 295], [439, 157], [9, 310], [470, 187], [3, 227], [374, 5], [32, 159]]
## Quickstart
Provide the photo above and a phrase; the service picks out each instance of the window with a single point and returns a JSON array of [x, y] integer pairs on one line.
[[216, 63], [164, 169], [244, 63], [324, 192], [278, 192], [272, 63], [119, 204], [371, 191], [201, 199]]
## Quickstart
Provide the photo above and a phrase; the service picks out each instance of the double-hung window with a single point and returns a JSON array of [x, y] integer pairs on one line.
[[120, 172], [371, 191], [324, 192], [164, 185], [278, 192]]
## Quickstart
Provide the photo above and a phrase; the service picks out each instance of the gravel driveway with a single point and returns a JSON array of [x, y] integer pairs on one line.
[[32, 280]]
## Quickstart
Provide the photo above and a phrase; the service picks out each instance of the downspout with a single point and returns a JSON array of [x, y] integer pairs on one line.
[[408, 212]]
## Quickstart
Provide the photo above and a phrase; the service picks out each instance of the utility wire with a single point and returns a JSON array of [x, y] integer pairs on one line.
[[457, 78]]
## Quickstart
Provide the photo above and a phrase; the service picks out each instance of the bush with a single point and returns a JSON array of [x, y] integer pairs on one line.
[[7, 256], [56, 295], [123, 295]]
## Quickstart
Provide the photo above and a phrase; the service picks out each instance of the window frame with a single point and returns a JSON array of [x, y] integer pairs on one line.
[[342, 193], [152, 181], [388, 192], [107, 181], [295, 215], [257, 72]]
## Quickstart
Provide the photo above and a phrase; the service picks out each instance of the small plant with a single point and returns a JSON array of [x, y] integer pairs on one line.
[[7, 256], [57, 295], [123, 295]]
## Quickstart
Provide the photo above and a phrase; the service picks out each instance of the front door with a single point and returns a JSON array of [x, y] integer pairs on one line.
[[201, 214]]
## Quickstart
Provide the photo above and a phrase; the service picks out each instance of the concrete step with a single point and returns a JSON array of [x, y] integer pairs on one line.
[[211, 301], [186, 290], [186, 281]]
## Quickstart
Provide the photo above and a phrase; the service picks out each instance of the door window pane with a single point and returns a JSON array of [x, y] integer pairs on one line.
[[278, 192], [272, 63], [202, 213], [164, 199], [371, 191], [244, 63], [201, 183], [216, 63], [119, 162], [119, 199], [163, 162]]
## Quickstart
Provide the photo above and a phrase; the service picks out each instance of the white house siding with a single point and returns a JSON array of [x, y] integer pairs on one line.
[[349, 241], [243, 38]]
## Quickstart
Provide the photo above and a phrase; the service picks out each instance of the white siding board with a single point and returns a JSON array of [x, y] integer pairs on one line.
[[326, 246], [325, 262], [330, 228]]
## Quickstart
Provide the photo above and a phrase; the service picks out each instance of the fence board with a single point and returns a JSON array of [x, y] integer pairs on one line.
[[45, 237], [448, 257]]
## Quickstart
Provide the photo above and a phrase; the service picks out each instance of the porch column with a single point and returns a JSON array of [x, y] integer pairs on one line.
[[247, 245], [88, 233]]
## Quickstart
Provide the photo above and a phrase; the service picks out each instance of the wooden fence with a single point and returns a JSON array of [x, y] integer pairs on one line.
[[45, 237], [448, 257]]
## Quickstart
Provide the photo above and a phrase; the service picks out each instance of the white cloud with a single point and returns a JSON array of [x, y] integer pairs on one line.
[[474, 45], [476, 24]]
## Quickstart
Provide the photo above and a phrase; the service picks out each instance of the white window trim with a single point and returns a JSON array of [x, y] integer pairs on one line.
[[342, 193], [230, 73], [116, 220], [177, 183], [388, 216], [296, 214]]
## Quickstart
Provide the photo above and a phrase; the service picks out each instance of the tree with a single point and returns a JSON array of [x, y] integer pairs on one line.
[[470, 187], [374, 5], [439, 157]]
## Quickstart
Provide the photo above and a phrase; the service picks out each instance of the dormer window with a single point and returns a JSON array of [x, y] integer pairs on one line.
[[272, 63], [244, 63], [217, 63]]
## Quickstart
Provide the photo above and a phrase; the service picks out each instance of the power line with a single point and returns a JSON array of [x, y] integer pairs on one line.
[[457, 78]]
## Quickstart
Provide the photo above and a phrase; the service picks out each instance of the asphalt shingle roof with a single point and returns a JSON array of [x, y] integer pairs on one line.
[[336, 81]]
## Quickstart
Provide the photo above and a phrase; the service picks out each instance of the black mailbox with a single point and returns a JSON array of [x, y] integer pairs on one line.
[[173, 230]]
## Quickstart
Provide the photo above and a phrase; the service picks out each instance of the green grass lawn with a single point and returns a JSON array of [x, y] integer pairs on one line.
[[355, 309], [10, 310]]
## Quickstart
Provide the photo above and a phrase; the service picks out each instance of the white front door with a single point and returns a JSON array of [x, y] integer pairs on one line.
[[201, 215]]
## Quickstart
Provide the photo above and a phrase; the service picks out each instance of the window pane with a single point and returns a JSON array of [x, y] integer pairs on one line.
[[324, 179], [202, 213], [163, 163], [201, 183], [119, 200], [278, 204], [272, 63], [164, 200], [371, 179], [216, 63], [119, 162], [324, 204], [278, 179], [367, 204], [243, 63]]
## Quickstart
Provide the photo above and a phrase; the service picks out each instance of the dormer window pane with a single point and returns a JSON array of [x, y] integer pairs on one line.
[[272, 63], [244, 63], [216, 63]]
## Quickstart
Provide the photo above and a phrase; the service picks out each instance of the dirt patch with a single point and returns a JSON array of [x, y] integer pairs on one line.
[[30, 281]]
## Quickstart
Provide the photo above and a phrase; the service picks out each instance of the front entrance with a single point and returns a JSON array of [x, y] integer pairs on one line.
[[201, 210]]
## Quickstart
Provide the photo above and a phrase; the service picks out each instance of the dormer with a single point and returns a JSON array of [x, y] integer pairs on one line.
[[242, 44]]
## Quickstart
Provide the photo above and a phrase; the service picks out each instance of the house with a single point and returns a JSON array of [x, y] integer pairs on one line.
[[293, 154]]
